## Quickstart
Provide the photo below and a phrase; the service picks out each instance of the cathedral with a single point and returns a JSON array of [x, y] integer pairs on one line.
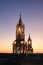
[[19, 44]]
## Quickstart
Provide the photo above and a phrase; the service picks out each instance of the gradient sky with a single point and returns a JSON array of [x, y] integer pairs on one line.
[[32, 17]]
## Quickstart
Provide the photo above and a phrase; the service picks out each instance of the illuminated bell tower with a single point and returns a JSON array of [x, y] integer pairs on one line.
[[18, 44], [20, 35]]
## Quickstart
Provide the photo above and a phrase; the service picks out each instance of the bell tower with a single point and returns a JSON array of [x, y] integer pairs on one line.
[[20, 30]]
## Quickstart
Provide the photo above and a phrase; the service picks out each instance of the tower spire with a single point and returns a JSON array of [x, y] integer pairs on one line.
[[29, 37], [20, 21]]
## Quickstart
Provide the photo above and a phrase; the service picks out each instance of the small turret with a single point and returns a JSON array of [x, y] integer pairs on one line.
[[29, 40], [29, 45]]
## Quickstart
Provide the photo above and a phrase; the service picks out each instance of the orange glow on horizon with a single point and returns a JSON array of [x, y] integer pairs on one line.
[[7, 48], [7, 40]]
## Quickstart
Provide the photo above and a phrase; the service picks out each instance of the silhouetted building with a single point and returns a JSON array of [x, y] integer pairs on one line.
[[20, 45]]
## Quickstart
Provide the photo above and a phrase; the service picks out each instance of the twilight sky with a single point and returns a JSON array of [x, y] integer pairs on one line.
[[32, 17]]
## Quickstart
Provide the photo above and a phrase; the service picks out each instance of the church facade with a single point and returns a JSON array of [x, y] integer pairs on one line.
[[19, 44]]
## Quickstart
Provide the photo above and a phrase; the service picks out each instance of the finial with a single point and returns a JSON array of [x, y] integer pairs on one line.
[[20, 14], [29, 35]]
